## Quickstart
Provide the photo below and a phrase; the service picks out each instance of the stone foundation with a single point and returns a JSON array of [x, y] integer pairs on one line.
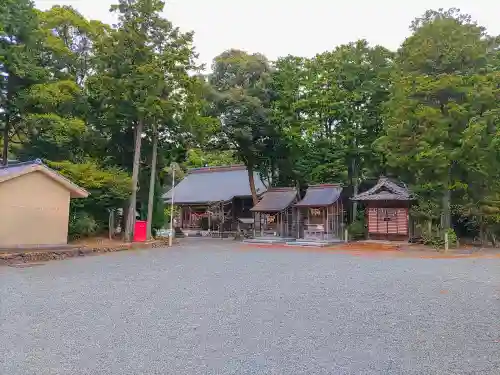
[[24, 256]]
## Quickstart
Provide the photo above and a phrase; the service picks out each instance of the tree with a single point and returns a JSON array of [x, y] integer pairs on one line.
[[439, 68], [71, 37], [241, 100], [20, 62], [289, 120], [52, 125], [329, 111], [108, 187], [480, 158], [139, 77], [197, 158], [46, 108]]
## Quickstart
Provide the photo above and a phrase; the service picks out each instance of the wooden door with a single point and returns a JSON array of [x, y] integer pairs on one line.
[[388, 221]]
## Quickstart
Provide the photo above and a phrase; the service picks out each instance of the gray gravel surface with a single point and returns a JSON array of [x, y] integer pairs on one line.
[[212, 308]]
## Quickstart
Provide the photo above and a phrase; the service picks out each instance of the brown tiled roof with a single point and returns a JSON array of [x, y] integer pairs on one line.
[[276, 200], [320, 195], [385, 190]]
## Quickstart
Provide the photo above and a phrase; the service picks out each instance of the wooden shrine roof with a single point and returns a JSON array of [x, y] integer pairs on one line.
[[321, 195], [385, 190], [276, 200]]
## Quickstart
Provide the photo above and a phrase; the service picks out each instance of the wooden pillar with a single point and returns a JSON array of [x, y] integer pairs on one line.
[[298, 221], [280, 216], [254, 224], [221, 226], [336, 217], [325, 222]]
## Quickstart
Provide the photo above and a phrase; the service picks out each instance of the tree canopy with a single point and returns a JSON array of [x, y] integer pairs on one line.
[[112, 106]]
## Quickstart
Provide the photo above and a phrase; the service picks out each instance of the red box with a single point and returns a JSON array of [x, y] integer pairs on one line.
[[140, 231]]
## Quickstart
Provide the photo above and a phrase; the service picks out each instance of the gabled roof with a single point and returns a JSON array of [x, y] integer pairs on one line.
[[214, 184], [276, 200], [385, 190], [320, 195], [18, 169]]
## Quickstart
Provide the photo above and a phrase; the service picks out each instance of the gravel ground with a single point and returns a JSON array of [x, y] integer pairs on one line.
[[212, 308]]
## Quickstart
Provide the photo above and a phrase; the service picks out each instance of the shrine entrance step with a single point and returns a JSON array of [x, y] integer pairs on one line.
[[269, 240], [315, 243]]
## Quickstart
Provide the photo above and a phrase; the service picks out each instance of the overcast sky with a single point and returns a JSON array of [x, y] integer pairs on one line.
[[298, 27]]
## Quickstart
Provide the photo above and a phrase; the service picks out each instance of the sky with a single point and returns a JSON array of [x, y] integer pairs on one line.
[[297, 27]]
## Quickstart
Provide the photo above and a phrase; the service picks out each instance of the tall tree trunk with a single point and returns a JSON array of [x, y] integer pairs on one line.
[[355, 189], [129, 229], [251, 181], [482, 234], [123, 221], [152, 180], [5, 148], [446, 218]]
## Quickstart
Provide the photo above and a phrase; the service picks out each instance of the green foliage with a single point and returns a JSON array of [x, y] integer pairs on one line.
[[241, 98], [167, 211], [357, 230], [439, 133], [21, 63], [82, 225], [435, 238], [452, 238], [197, 158], [109, 188], [70, 38], [91, 99], [159, 220], [328, 110], [141, 85]]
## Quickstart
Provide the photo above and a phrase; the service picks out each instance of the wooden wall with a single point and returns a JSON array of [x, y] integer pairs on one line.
[[388, 220]]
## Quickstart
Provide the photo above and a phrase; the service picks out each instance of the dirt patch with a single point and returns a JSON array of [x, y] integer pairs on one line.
[[384, 250], [81, 248]]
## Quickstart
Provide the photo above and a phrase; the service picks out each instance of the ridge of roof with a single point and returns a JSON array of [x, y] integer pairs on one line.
[[220, 168], [13, 164], [276, 199], [286, 188], [384, 182], [22, 168], [319, 186], [320, 195]]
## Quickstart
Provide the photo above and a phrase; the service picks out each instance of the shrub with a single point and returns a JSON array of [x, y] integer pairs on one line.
[[82, 225], [357, 230], [109, 188], [436, 238]]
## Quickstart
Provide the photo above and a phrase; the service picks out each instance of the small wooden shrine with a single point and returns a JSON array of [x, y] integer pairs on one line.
[[274, 213], [321, 213], [387, 210]]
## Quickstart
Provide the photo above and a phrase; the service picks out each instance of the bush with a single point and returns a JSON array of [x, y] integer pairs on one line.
[[109, 188], [452, 238], [357, 230], [436, 239], [167, 210], [82, 225]]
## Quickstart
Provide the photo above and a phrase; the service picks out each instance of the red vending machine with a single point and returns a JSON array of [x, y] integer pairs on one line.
[[140, 231]]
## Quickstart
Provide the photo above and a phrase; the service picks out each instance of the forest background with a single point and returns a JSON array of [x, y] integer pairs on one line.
[[116, 108]]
